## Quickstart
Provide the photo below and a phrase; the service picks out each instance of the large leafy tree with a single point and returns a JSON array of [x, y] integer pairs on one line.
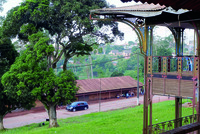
[[31, 76], [7, 57], [40, 23], [163, 46], [67, 23]]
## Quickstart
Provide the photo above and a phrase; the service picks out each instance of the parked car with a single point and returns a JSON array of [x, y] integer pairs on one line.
[[79, 105]]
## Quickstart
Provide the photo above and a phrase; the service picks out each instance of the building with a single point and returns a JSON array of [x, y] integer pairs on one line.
[[115, 52], [127, 53], [92, 89]]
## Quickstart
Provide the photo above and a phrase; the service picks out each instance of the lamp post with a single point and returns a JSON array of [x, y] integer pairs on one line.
[[100, 97], [138, 79]]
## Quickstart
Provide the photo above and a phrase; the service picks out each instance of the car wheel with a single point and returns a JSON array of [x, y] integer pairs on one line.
[[85, 108], [74, 110]]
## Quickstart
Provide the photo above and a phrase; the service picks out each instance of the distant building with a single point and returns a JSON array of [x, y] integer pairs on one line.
[[127, 53], [90, 89], [114, 52]]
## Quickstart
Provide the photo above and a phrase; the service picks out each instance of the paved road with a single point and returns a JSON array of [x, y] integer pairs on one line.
[[37, 117]]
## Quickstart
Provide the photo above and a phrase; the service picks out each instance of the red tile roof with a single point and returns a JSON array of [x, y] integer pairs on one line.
[[111, 83]]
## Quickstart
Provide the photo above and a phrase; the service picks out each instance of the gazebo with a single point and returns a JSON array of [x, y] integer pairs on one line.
[[176, 75]]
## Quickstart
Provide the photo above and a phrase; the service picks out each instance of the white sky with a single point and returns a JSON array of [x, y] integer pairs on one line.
[[8, 5], [118, 3]]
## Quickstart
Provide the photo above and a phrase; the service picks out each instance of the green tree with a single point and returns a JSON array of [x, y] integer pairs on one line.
[[64, 24], [122, 65], [108, 48], [7, 57], [133, 74], [31, 76], [163, 46], [116, 73], [100, 72], [131, 43], [119, 48]]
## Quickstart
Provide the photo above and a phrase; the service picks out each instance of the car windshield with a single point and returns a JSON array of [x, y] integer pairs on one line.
[[73, 104]]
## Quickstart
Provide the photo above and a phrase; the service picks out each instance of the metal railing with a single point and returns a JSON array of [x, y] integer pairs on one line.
[[172, 124], [172, 62]]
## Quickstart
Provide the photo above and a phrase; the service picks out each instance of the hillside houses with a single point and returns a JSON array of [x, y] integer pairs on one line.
[[125, 53]]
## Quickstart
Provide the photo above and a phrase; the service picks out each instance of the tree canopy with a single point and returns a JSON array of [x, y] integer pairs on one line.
[[51, 29], [7, 57], [66, 23], [31, 78]]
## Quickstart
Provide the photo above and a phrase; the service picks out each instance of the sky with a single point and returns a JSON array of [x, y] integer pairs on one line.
[[8, 5]]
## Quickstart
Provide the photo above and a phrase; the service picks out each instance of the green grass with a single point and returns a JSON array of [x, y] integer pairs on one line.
[[126, 121]]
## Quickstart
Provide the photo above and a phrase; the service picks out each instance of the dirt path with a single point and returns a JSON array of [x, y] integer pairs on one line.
[[37, 115]]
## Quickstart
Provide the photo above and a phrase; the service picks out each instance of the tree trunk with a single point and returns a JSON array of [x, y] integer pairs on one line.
[[52, 116], [1, 122]]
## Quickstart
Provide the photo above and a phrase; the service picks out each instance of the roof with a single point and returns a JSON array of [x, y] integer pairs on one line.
[[140, 10], [106, 84], [152, 15], [175, 4], [139, 7]]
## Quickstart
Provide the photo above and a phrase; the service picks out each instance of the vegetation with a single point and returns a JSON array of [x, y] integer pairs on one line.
[[54, 32], [107, 65], [51, 29], [164, 46], [7, 57], [124, 121], [31, 78]]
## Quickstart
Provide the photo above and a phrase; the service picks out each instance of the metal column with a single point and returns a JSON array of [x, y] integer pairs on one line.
[[147, 120]]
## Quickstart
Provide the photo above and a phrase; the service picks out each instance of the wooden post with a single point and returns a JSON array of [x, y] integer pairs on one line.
[[178, 112], [145, 108]]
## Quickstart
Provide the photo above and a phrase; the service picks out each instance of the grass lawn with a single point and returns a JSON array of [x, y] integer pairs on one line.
[[126, 121]]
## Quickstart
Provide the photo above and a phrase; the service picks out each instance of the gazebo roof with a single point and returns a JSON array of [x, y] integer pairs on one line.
[[153, 14], [175, 4], [140, 10]]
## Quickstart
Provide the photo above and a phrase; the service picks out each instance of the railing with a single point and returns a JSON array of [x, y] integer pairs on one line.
[[157, 63], [172, 124]]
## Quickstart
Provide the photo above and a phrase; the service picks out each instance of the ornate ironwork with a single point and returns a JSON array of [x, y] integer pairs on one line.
[[140, 22], [171, 124]]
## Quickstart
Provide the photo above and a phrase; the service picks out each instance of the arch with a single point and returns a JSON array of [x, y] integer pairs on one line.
[[137, 31]]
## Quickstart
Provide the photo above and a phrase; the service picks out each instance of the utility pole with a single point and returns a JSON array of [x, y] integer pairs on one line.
[[100, 97], [138, 79], [91, 66]]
